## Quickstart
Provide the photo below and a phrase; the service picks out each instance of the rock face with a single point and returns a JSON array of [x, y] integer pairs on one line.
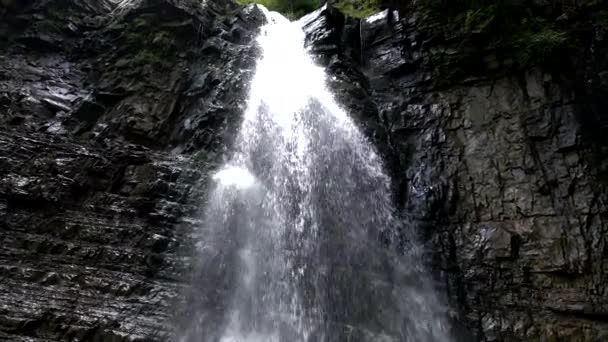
[[503, 173], [112, 113], [94, 210]]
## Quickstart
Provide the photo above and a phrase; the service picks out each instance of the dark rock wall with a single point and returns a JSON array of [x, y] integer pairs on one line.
[[111, 117], [502, 173], [95, 211]]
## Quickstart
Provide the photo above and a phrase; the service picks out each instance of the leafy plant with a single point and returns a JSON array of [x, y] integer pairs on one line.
[[358, 8], [538, 46], [511, 28], [480, 20]]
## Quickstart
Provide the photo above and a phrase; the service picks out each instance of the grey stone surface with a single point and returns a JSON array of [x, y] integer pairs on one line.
[[112, 117], [96, 203], [501, 173]]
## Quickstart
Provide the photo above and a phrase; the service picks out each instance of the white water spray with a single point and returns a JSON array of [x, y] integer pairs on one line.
[[300, 241]]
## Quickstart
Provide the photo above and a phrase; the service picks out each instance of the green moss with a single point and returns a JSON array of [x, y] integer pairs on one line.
[[358, 8], [480, 20], [538, 46], [145, 57], [514, 30], [148, 43]]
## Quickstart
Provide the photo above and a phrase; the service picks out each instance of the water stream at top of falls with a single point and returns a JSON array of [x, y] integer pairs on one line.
[[300, 240]]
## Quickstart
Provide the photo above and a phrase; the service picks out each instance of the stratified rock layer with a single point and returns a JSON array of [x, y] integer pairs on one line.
[[503, 173], [94, 214]]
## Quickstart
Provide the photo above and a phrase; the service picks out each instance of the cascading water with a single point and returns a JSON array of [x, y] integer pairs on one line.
[[300, 240]]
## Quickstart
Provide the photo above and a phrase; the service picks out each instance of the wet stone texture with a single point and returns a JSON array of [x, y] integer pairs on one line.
[[502, 173], [112, 115], [97, 201]]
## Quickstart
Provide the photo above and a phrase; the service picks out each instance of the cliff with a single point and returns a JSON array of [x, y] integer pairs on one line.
[[113, 114], [96, 202], [502, 171]]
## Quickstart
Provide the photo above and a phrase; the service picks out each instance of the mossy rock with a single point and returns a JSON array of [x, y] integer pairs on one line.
[[358, 8], [145, 57]]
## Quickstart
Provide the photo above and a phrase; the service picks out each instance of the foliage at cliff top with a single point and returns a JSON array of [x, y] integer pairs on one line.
[[290, 8], [527, 31], [296, 8], [359, 8]]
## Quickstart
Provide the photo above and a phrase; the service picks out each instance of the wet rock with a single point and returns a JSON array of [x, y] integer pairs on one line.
[[94, 210], [500, 174]]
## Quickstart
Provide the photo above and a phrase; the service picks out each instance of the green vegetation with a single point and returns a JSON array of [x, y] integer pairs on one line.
[[147, 57], [519, 32], [293, 9], [358, 8], [523, 32], [538, 46], [149, 43], [508, 25]]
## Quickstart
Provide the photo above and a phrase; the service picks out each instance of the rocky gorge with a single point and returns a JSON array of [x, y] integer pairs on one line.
[[115, 112]]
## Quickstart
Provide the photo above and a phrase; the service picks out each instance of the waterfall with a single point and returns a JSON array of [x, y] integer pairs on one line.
[[301, 241]]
